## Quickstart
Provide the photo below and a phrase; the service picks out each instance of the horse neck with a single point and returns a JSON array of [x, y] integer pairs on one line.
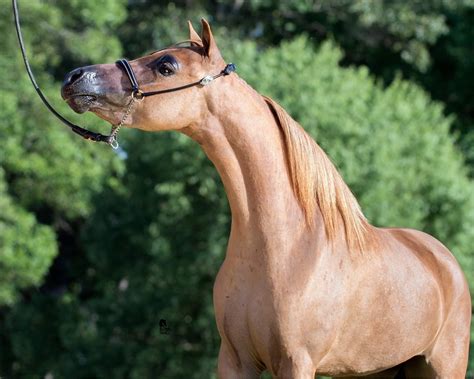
[[241, 137]]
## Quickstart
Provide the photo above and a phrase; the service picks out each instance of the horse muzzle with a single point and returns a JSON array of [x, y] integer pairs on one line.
[[79, 89], [84, 90]]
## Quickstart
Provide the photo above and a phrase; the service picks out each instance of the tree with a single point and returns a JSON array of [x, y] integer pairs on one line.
[[48, 176], [26, 248]]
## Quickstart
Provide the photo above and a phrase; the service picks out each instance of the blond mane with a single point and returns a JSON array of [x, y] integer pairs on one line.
[[317, 184]]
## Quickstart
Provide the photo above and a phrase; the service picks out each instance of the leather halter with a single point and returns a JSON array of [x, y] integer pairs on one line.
[[136, 93], [139, 94]]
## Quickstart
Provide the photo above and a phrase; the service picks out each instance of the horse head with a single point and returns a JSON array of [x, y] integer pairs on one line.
[[177, 75]]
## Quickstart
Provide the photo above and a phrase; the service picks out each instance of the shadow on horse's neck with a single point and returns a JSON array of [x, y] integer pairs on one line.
[[241, 137]]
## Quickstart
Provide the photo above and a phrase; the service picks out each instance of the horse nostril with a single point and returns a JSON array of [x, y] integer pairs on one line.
[[76, 76], [73, 76]]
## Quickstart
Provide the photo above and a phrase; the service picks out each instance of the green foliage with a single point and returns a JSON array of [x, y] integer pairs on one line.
[[449, 77], [63, 180], [153, 25], [153, 248], [26, 248], [406, 28], [88, 26], [47, 175]]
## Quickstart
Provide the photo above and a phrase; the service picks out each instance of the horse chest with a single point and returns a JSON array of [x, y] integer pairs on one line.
[[259, 316]]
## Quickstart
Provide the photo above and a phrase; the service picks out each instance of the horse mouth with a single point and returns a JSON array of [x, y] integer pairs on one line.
[[81, 103]]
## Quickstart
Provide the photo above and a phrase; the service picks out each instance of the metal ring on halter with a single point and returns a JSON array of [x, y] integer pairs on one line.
[[138, 95], [114, 143], [206, 80]]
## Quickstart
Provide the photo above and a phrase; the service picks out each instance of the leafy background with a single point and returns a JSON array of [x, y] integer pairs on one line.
[[97, 247]]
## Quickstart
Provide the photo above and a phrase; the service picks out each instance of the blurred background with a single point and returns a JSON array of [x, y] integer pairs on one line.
[[97, 247]]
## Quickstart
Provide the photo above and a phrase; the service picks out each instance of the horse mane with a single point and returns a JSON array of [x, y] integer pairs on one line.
[[317, 183]]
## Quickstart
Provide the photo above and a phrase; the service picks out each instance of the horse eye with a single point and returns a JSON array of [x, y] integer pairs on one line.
[[167, 65], [165, 69]]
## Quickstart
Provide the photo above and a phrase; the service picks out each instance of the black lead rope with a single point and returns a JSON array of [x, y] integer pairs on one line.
[[84, 133], [136, 93]]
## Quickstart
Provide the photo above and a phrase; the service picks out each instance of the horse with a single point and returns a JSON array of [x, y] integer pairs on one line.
[[308, 286]]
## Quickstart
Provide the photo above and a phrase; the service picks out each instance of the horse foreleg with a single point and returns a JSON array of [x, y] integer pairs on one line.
[[449, 355], [231, 367], [296, 368], [447, 358]]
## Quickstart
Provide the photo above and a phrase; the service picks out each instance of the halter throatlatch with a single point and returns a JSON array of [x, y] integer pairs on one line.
[[136, 94], [139, 94]]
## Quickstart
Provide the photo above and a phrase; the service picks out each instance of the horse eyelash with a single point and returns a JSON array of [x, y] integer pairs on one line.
[[169, 61]]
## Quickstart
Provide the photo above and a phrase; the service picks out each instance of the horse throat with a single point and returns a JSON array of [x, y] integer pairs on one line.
[[246, 146]]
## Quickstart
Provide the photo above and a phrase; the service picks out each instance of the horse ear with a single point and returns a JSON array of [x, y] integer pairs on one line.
[[210, 47], [193, 36]]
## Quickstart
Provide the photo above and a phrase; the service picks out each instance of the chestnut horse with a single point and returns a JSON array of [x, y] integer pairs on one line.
[[307, 286]]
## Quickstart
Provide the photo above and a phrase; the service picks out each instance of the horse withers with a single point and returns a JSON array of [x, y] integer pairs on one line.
[[307, 286]]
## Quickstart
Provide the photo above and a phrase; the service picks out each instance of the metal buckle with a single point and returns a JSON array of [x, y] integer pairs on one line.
[[206, 80]]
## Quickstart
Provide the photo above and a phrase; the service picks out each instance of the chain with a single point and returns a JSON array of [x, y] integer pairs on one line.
[[115, 128]]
